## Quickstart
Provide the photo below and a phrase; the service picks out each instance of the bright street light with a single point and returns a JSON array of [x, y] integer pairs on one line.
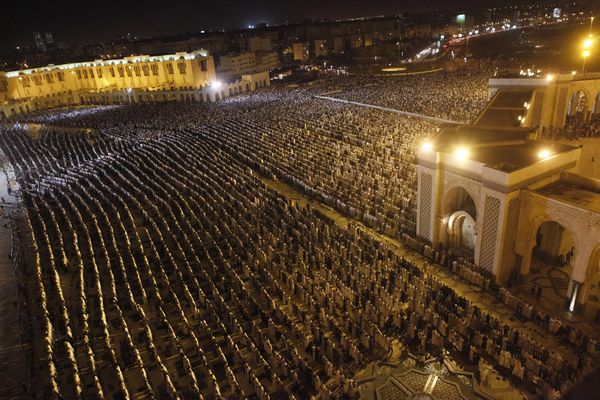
[[461, 153], [427, 146], [216, 84], [543, 154]]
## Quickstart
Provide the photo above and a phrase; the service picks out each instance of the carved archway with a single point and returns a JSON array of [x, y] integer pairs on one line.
[[553, 247], [457, 198], [461, 231], [578, 105], [459, 219], [552, 242], [592, 275], [596, 106]]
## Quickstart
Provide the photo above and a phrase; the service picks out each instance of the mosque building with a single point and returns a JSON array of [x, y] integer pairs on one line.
[[173, 77], [499, 193]]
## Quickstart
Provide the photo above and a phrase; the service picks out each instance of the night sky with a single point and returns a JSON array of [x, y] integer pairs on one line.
[[86, 21]]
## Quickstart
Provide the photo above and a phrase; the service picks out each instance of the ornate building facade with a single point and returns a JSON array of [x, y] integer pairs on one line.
[[502, 196], [180, 77]]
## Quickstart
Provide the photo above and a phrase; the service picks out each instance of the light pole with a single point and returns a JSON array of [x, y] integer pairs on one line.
[[587, 45], [591, 24], [585, 54]]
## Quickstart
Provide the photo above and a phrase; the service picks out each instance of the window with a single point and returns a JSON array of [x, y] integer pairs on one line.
[[99, 72], [85, 74], [137, 70], [181, 67], [25, 81], [170, 68], [49, 78], [91, 73], [121, 71], [112, 71], [60, 75], [129, 71], [3, 86], [78, 74], [154, 69], [203, 65], [146, 69], [37, 80]]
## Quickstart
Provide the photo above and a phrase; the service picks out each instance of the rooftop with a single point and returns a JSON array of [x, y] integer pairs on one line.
[[125, 60], [574, 193], [502, 148]]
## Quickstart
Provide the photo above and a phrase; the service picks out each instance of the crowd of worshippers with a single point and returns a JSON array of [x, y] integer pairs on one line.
[[357, 160], [168, 264], [576, 127], [164, 267], [456, 96]]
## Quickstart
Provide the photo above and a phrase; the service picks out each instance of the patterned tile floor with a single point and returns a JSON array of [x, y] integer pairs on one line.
[[409, 380]]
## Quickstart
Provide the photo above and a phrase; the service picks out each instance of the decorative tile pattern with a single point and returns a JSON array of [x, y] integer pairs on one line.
[[490, 232], [426, 195]]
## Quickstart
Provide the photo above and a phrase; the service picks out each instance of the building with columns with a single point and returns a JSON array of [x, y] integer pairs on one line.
[[549, 100], [499, 194], [173, 77]]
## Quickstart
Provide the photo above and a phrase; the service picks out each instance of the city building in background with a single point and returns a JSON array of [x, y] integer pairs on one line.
[[39, 41], [180, 76]]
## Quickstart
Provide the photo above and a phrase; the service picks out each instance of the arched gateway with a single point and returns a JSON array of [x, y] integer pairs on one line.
[[511, 202]]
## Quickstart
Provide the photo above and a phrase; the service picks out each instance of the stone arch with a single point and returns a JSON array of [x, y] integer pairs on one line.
[[459, 218], [578, 103], [596, 105], [593, 270], [531, 240], [592, 275], [461, 230], [471, 191]]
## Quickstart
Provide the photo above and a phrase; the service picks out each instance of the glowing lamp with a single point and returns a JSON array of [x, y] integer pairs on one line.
[[587, 43], [461, 153], [549, 77], [427, 146], [543, 154], [216, 84], [585, 54]]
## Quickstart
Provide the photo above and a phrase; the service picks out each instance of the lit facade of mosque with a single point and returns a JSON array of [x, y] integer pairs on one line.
[[173, 77], [508, 199]]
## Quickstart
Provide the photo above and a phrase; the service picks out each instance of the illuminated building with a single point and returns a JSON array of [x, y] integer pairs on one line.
[[267, 60], [237, 64], [173, 77], [320, 48], [497, 193], [548, 99], [300, 51]]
